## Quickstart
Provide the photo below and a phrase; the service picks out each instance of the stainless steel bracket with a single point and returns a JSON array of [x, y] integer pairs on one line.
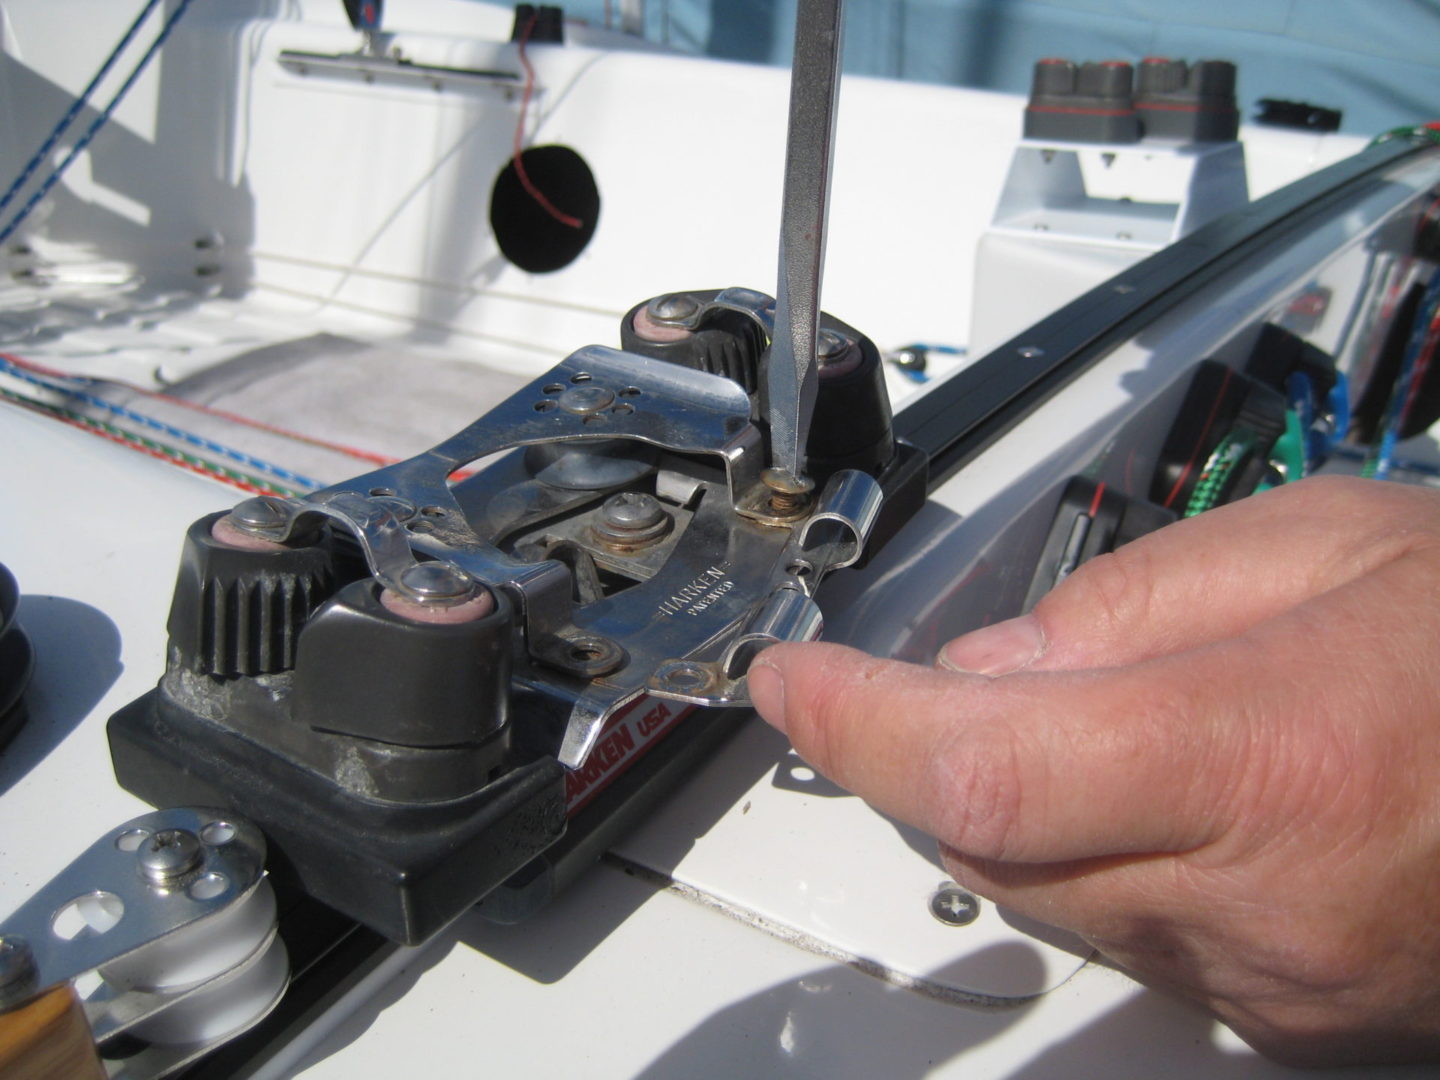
[[732, 577]]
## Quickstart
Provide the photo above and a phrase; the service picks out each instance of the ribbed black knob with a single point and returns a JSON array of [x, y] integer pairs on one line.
[[238, 610], [678, 328]]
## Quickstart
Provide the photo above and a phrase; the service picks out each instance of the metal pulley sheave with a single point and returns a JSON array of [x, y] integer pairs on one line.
[[152, 948]]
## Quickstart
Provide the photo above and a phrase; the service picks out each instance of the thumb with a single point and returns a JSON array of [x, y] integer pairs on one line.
[[1031, 768]]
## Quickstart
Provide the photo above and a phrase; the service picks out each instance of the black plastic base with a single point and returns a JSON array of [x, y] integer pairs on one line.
[[404, 870]]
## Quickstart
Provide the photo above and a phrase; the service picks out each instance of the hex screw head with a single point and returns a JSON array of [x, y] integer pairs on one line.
[[168, 855], [954, 906]]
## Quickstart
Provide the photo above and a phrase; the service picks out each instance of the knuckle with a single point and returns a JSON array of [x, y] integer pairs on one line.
[[976, 783], [1115, 589]]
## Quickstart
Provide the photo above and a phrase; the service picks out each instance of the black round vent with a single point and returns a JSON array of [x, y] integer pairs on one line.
[[544, 213]]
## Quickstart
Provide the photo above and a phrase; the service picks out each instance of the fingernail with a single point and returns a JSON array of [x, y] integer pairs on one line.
[[767, 692], [995, 650]]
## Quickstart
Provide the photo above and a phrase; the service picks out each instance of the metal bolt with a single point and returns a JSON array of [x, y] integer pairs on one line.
[[631, 520], [632, 510], [437, 582], [584, 400], [260, 515], [168, 855], [17, 970], [788, 494], [954, 906], [672, 307]]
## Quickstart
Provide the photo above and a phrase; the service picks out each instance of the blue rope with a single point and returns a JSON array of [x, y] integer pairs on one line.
[[94, 128], [74, 110], [174, 432]]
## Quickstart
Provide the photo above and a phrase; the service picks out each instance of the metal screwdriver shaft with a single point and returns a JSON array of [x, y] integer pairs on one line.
[[809, 159]]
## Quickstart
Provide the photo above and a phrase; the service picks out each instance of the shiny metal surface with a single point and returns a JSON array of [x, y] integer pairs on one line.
[[107, 884], [707, 576], [173, 911], [809, 160]]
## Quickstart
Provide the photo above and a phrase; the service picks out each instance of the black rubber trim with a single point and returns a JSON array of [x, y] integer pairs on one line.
[[962, 416]]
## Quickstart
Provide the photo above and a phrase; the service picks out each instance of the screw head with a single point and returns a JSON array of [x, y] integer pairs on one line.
[[169, 855], [954, 906], [262, 514], [631, 520], [632, 510], [672, 307], [441, 582], [786, 483]]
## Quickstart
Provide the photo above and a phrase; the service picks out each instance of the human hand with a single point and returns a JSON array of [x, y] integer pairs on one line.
[[1215, 754]]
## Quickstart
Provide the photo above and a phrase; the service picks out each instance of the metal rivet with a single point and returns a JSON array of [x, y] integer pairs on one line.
[[954, 906], [1031, 352], [685, 677], [583, 400]]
